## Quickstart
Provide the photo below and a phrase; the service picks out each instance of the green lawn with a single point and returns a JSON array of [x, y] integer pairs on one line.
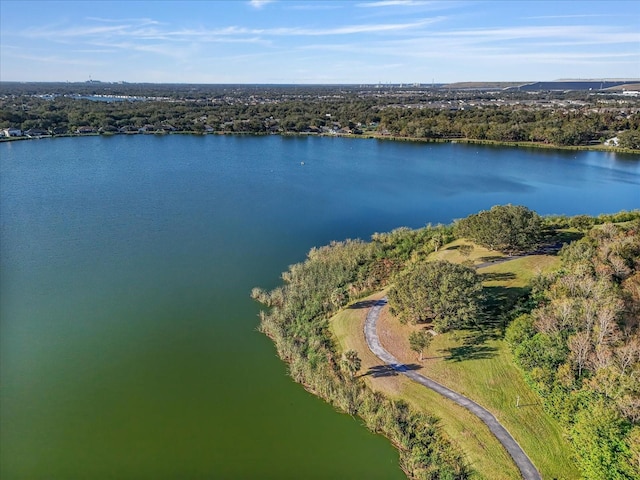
[[478, 364], [482, 450], [451, 253], [483, 370]]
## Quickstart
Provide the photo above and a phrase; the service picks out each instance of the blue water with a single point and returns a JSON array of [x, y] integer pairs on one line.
[[128, 343]]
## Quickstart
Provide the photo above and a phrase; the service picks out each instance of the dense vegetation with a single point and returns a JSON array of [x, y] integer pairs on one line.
[[578, 343], [443, 293], [555, 118], [554, 126], [580, 348], [507, 228], [297, 323]]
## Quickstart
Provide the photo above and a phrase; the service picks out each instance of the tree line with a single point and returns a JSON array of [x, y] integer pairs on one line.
[[418, 114], [580, 348], [553, 126]]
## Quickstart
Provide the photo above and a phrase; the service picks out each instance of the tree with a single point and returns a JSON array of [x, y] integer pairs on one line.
[[418, 341], [580, 347], [437, 240], [507, 228], [581, 222], [630, 139], [351, 362], [599, 436], [519, 330], [442, 292], [465, 250]]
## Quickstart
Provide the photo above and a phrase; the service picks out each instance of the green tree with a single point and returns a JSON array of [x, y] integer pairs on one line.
[[581, 222], [507, 228], [351, 362], [442, 292], [465, 250], [599, 436], [519, 330], [418, 341], [630, 139], [437, 240]]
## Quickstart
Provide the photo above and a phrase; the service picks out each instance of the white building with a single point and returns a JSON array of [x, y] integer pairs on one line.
[[12, 132]]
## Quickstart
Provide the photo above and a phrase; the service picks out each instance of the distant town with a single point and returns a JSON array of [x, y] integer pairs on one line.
[[563, 113]]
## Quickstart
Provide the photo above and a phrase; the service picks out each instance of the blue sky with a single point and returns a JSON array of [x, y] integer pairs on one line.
[[331, 41]]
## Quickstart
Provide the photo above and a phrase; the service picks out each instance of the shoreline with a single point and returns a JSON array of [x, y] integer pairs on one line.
[[368, 136]]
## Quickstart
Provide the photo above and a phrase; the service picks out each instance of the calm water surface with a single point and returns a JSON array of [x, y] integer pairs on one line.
[[128, 340]]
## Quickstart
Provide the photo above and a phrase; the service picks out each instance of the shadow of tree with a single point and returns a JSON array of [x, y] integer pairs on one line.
[[499, 299], [364, 304], [497, 276], [491, 258], [390, 370], [564, 236], [469, 352], [474, 346]]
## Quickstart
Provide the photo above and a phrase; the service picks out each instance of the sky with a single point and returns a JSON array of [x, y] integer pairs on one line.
[[318, 42]]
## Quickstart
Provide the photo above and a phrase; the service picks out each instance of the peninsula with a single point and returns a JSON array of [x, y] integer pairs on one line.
[[533, 319]]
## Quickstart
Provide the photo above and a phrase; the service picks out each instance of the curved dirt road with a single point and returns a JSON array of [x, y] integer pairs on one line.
[[527, 469]]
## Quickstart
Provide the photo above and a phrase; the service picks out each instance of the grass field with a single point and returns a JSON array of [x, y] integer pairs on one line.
[[476, 363], [482, 450], [452, 253]]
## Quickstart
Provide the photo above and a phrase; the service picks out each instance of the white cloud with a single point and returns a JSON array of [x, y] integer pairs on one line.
[[314, 6], [581, 15], [141, 21], [597, 34], [302, 31], [154, 33], [350, 29], [394, 3], [54, 59], [74, 31], [375, 39], [259, 3]]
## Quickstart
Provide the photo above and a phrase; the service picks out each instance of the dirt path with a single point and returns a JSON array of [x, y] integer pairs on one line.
[[527, 469]]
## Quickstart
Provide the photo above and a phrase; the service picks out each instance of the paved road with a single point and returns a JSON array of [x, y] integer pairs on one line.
[[527, 469]]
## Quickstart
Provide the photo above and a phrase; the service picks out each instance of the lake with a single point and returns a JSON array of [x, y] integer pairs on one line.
[[128, 342]]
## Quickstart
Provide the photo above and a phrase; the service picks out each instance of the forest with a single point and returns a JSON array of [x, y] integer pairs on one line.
[[574, 333], [580, 348], [438, 114]]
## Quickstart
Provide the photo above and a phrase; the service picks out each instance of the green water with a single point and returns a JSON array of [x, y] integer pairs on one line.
[[128, 340]]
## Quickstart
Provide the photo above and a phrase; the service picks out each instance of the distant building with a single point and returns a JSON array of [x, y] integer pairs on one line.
[[36, 132], [128, 129], [147, 129], [12, 132], [84, 130]]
